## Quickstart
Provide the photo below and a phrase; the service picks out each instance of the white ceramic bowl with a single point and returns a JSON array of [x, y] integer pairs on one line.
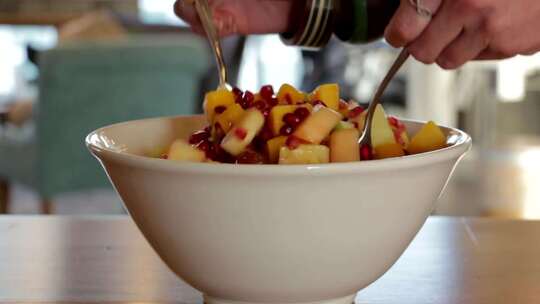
[[268, 233]]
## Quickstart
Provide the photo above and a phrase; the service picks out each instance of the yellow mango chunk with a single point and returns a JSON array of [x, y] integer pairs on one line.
[[273, 146], [327, 93], [287, 94], [214, 99], [278, 112], [228, 118], [304, 154], [388, 150], [429, 138], [344, 145]]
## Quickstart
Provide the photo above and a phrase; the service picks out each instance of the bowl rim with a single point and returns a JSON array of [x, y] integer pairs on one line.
[[456, 151]]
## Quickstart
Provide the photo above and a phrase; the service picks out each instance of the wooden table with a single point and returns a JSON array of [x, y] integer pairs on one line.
[[105, 259]]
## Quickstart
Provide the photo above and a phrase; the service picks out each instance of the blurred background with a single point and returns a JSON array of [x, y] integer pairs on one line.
[[69, 67]]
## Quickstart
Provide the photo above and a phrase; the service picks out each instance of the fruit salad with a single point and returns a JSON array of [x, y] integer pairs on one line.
[[293, 127]]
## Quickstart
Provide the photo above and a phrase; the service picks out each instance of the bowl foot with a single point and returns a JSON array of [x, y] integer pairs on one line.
[[343, 300]]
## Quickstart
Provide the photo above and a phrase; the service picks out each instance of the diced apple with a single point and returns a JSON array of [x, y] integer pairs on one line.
[[429, 138], [243, 132], [287, 94], [214, 99], [327, 93], [181, 150], [344, 146], [228, 118], [304, 154], [342, 125], [273, 147], [383, 142], [359, 121], [388, 150], [278, 112], [318, 125]]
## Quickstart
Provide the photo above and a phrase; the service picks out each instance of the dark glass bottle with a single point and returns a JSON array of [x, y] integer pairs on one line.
[[356, 21]]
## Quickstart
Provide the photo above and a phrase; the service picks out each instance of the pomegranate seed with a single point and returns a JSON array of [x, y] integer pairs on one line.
[[293, 142], [343, 104], [319, 102], [301, 113], [291, 120], [249, 157], [260, 105], [247, 101], [286, 130], [204, 146], [164, 156], [240, 133], [355, 124], [207, 129], [237, 92], [198, 136], [366, 153], [267, 92], [220, 109], [273, 102], [355, 112], [393, 121]]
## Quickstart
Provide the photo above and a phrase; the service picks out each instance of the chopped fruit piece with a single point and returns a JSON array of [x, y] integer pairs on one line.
[[198, 136], [292, 120], [319, 103], [252, 122], [303, 112], [355, 112], [218, 98], [229, 117], [289, 95], [304, 154], [294, 142], [286, 130], [382, 137], [240, 133], [366, 153], [344, 108], [344, 146], [181, 150], [328, 94], [318, 125], [359, 121], [247, 100], [267, 92], [273, 146], [278, 113], [344, 125], [400, 131], [388, 150], [429, 138]]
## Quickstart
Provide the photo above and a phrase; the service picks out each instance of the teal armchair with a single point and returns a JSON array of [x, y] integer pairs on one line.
[[88, 85]]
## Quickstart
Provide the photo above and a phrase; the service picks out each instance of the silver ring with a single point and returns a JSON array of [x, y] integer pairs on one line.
[[421, 9]]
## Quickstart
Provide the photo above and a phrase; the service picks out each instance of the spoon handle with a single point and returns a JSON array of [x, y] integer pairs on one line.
[[403, 56], [205, 15]]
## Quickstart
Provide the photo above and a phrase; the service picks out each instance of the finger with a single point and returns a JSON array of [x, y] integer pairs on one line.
[[186, 11], [407, 24], [224, 21], [445, 27], [490, 54], [465, 47]]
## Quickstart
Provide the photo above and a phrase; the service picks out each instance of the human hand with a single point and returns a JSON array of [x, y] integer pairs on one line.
[[240, 16], [464, 30]]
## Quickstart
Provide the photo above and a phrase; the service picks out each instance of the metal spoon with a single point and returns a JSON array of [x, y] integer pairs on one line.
[[365, 139], [205, 15]]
